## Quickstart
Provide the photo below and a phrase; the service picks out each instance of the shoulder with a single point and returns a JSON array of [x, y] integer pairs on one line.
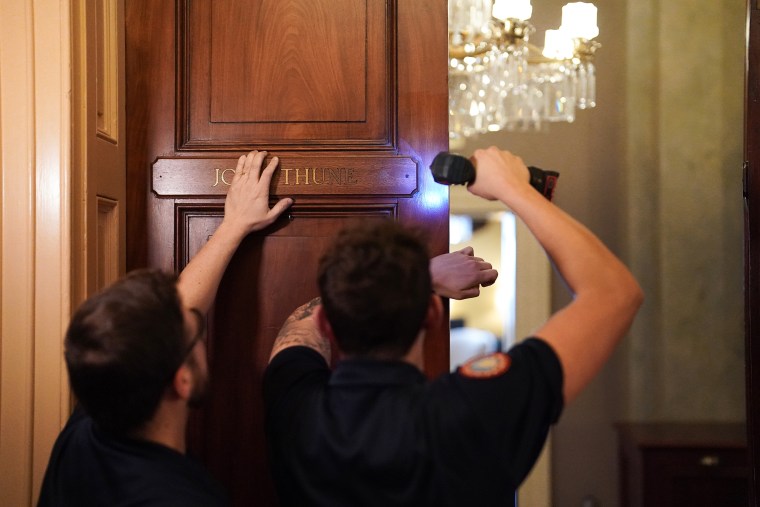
[[75, 439], [532, 356], [538, 355], [298, 365], [162, 476], [296, 358], [488, 366], [497, 405], [188, 484], [89, 467], [529, 372]]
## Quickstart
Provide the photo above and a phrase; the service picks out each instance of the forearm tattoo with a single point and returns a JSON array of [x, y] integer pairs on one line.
[[297, 333], [303, 311]]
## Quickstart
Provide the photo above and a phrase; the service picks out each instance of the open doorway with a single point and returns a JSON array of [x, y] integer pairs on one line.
[[509, 310]]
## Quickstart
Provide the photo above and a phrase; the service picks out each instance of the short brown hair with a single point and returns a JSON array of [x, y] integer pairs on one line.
[[375, 286], [122, 348]]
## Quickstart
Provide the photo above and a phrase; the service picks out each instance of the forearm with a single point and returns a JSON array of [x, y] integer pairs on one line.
[[301, 330], [606, 296], [246, 209], [199, 281]]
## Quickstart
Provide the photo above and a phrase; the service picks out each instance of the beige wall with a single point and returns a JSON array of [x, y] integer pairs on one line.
[[655, 171], [686, 132], [34, 238]]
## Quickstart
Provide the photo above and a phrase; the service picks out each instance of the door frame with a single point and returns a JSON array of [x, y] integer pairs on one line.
[[751, 248]]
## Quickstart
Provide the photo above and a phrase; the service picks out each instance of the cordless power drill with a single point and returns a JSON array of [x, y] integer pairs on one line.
[[451, 169]]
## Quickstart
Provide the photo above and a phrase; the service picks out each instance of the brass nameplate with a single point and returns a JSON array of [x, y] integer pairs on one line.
[[394, 176]]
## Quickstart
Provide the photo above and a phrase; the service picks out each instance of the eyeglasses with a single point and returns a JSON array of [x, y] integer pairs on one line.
[[199, 335]]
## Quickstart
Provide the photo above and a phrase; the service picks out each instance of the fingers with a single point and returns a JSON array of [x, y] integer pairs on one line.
[[247, 202], [251, 164], [274, 212], [279, 208], [239, 168], [485, 278], [468, 250], [488, 277], [485, 275], [255, 167], [482, 266], [249, 169], [266, 176]]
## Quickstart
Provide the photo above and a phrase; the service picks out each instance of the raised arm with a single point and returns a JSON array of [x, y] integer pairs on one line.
[[459, 275], [246, 209], [606, 297], [302, 328]]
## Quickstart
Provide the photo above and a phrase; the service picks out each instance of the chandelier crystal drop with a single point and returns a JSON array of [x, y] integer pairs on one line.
[[499, 80]]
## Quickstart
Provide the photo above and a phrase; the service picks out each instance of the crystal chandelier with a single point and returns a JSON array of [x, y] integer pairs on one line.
[[499, 80]]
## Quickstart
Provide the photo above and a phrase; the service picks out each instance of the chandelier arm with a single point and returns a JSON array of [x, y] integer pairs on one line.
[[459, 52], [536, 56]]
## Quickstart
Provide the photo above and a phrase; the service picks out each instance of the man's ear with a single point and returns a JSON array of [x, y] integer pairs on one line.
[[323, 324], [182, 383]]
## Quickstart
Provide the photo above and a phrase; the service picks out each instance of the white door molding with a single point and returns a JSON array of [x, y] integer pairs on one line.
[[34, 238]]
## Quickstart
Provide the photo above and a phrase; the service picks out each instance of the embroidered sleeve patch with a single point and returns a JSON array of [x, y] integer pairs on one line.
[[488, 366]]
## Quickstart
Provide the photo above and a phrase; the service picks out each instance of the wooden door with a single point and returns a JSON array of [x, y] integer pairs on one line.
[[351, 95], [752, 248]]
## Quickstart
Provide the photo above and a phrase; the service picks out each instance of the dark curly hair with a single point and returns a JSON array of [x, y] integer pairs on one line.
[[375, 286], [122, 348]]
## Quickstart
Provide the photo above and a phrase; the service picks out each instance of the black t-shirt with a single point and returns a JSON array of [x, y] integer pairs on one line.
[[376, 433], [89, 467]]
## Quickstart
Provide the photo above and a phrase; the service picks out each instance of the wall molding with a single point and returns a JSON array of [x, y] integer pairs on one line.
[[34, 238]]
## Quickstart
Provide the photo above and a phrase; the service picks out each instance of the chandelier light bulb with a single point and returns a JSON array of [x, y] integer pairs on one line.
[[579, 20], [512, 9], [558, 45]]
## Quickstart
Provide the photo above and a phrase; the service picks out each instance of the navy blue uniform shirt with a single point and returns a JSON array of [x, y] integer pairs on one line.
[[89, 467], [377, 433]]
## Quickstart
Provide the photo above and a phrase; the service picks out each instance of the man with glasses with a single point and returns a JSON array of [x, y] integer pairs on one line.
[[136, 359]]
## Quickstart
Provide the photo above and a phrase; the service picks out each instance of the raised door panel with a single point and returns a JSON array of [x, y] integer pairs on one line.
[[271, 269], [313, 74]]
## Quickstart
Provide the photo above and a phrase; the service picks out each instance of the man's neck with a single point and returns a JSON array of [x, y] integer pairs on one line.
[[416, 354], [167, 426]]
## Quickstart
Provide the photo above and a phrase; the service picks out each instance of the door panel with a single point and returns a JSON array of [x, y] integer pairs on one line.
[[350, 95], [286, 73], [253, 303]]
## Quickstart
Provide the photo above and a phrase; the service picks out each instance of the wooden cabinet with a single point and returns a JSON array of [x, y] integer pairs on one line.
[[683, 464]]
